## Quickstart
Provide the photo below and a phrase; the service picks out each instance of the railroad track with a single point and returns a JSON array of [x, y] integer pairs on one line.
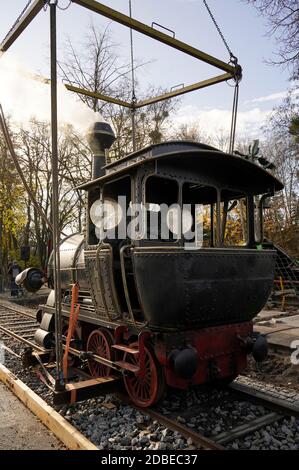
[[20, 326], [279, 407], [199, 440]]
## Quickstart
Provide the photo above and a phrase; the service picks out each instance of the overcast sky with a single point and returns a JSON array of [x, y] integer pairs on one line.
[[262, 87]]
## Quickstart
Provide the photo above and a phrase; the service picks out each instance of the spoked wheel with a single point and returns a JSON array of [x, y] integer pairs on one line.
[[147, 390], [99, 342]]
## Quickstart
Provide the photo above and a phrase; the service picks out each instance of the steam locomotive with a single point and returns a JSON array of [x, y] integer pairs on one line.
[[165, 307]]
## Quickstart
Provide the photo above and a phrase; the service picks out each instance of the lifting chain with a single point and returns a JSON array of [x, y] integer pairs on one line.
[[233, 58], [238, 75], [18, 19]]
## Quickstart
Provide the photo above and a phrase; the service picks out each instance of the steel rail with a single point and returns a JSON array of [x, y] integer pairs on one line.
[[248, 428], [7, 324], [279, 407], [21, 339], [197, 438], [268, 401], [18, 312]]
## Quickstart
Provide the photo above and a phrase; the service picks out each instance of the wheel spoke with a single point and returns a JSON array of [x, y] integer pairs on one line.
[[144, 390], [99, 343]]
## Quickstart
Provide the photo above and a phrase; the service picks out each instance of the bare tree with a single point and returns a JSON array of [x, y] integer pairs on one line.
[[100, 70], [153, 123], [283, 23], [74, 168], [94, 66], [192, 132]]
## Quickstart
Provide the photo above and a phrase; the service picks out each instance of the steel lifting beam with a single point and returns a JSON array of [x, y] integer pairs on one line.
[[99, 96], [142, 28], [22, 24], [186, 89], [140, 104], [155, 34]]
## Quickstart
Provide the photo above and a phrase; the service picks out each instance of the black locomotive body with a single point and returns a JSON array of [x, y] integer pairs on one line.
[[173, 310]]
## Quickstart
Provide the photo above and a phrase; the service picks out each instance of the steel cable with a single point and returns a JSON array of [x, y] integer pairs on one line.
[[17, 20]]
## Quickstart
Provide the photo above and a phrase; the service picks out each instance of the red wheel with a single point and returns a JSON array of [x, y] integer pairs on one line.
[[147, 390], [99, 342]]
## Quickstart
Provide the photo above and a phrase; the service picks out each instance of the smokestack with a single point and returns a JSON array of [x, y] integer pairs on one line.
[[100, 138]]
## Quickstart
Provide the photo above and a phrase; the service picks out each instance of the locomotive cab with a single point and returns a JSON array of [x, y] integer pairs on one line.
[[172, 268], [194, 255], [197, 276]]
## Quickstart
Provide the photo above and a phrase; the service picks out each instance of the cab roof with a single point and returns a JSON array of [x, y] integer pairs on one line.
[[195, 156]]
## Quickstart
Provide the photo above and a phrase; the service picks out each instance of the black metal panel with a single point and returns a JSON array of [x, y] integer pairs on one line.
[[99, 272], [94, 281], [196, 156], [183, 289]]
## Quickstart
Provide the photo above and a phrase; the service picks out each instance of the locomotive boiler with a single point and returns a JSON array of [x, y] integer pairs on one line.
[[169, 302]]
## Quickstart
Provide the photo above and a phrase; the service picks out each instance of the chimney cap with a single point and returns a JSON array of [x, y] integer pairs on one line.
[[100, 137]]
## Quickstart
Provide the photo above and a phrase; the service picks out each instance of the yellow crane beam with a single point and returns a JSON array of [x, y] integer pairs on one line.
[[155, 34], [26, 19]]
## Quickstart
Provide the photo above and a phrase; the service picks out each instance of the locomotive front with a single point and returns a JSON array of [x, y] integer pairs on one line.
[[172, 267]]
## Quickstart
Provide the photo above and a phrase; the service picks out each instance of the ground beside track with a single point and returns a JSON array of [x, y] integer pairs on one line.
[[20, 429], [277, 370], [112, 425]]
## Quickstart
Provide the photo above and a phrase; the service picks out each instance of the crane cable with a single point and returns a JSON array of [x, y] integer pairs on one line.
[[234, 61], [234, 118], [133, 109], [18, 19]]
